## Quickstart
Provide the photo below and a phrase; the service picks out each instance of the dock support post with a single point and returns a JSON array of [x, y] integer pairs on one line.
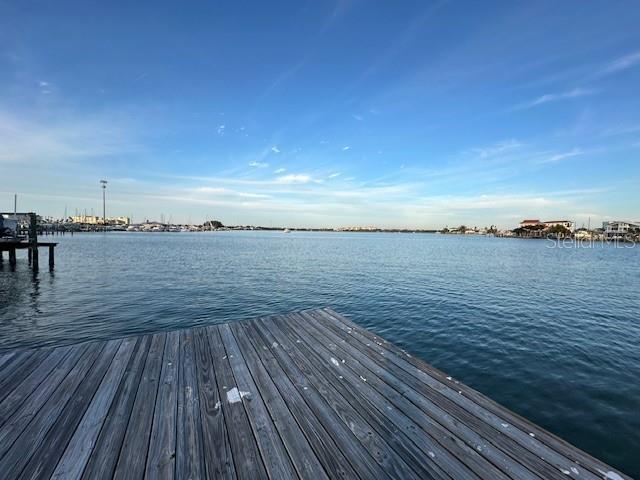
[[1, 257], [29, 255], [33, 240], [51, 257], [12, 257]]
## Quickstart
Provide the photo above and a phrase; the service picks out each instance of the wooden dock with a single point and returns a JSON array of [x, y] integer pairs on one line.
[[32, 249], [14, 241], [305, 395]]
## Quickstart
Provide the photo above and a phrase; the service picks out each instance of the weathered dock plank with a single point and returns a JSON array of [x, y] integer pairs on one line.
[[277, 461], [305, 395], [76, 455], [104, 457], [133, 452], [306, 463], [189, 452], [567, 459], [44, 460], [332, 458], [217, 449], [17, 395], [246, 456], [162, 449], [27, 442], [374, 412], [451, 433]]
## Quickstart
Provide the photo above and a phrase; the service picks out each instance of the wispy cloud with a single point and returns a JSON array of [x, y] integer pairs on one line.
[[255, 164], [623, 63], [216, 191], [28, 140], [294, 178], [221, 129], [498, 148], [556, 97], [275, 149], [335, 175], [621, 130], [357, 117], [558, 157], [345, 148], [280, 170]]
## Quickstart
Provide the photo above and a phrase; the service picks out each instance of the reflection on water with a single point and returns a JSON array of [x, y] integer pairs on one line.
[[20, 287], [551, 333]]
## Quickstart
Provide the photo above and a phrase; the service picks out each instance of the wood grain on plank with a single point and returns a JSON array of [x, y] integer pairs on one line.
[[452, 450], [308, 395], [104, 456], [246, 456], [30, 438], [16, 374], [217, 449], [320, 438], [460, 425], [44, 460], [14, 421], [386, 441], [274, 454], [162, 448], [133, 454], [563, 456], [76, 455], [19, 395], [189, 452], [300, 451], [368, 451]]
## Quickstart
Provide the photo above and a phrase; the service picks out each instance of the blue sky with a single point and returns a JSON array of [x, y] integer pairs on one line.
[[323, 113]]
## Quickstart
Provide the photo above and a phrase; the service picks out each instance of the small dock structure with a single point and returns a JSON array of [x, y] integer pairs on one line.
[[305, 395], [11, 239]]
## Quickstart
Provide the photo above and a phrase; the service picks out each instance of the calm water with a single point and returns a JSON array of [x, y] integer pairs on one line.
[[554, 334]]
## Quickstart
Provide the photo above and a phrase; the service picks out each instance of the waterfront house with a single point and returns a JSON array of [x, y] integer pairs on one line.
[[537, 229], [620, 229], [568, 224], [529, 223]]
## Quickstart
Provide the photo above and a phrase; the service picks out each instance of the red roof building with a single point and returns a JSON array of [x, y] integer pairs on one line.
[[529, 223]]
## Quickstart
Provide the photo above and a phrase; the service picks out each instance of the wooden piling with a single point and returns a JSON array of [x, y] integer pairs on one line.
[[33, 240], [12, 257], [51, 257]]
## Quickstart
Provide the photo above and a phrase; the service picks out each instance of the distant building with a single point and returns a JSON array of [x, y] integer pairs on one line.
[[118, 220], [96, 220], [568, 224], [619, 229], [86, 219], [529, 223]]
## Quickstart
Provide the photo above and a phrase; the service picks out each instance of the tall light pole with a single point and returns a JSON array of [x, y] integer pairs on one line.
[[103, 184]]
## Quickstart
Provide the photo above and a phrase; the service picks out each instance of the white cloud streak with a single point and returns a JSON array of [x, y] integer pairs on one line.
[[623, 63], [256, 164], [558, 157], [293, 178], [66, 141], [556, 97]]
